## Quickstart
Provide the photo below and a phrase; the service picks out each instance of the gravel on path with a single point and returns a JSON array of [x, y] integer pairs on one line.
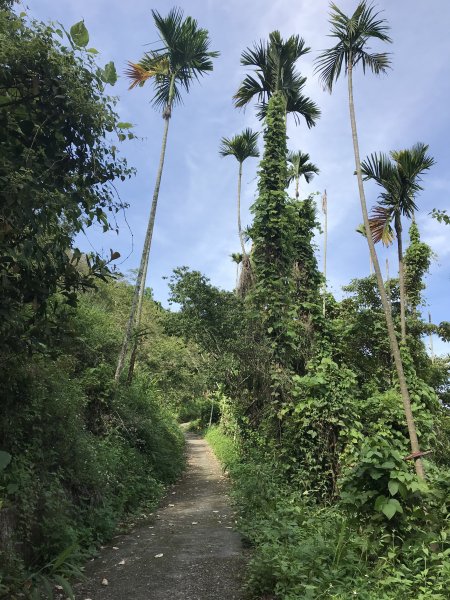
[[190, 550]]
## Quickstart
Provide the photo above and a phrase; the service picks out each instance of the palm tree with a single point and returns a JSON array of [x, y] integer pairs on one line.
[[237, 257], [299, 166], [400, 179], [274, 63], [182, 58], [241, 146], [352, 35]]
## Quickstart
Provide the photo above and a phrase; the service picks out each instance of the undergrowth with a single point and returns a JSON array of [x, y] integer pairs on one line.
[[301, 549], [82, 454]]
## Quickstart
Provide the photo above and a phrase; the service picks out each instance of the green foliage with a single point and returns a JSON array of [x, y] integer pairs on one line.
[[79, 34], [301, 549], [57, 174], [441, 216], [223, 446], [417, 263], [275, 69], [84, 454], [271, 232]]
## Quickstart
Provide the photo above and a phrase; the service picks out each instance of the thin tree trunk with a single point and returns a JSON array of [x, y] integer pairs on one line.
[[297, 193], [388, 284], [325, 240], [212, 412], [401, 277], [415, 448], [147, 241], [241, 236], [370, 265], [138, 323]]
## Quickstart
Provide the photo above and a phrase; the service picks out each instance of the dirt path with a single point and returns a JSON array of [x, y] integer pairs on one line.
[[189, 551]]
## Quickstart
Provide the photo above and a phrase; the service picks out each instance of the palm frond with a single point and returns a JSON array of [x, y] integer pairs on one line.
[[299, 165], [377, 63], [302, 106], [184, 56], [353, 34], [249, 88], [274, 62], [137, 74], [242, 146], [400, 178], [380, 225], [329, 65], [378, 167]]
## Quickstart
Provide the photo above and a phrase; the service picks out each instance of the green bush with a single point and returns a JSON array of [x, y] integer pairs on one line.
[[84, 454], [302, 549]]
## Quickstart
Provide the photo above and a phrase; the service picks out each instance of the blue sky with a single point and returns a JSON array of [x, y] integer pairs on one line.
[[196, 219]]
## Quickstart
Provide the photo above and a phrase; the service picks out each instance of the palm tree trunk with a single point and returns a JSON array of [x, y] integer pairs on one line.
[[241, 237], [297, 193], [325, 241], [415, 448], [138, 288], [388, 284], [138, 323], [401, 277]]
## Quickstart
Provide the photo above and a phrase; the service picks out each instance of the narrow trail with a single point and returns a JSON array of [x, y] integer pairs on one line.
[[194, 531]]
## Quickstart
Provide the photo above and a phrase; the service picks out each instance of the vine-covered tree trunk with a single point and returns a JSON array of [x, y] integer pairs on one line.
[[384, 299], [272, 236]]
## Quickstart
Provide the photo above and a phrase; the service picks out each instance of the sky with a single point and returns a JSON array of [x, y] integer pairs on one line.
[[196, 223]]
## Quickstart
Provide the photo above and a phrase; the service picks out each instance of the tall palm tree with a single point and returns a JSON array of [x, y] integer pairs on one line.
[[237, 257], [352, 35], [299, 166], [182, 58], [274, 63], [241, 146], [399, 175]]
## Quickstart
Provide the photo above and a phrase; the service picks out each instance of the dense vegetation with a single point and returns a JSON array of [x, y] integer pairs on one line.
[[78, 453], [329, 414]]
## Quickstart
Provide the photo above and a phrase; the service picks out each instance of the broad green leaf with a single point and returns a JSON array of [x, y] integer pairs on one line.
[[388, 465], [5, 459], [124, 125], [109, 73], [92, 51], [389, 510], [79, 34], [393, 486], [380, 502], [391, 507]]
